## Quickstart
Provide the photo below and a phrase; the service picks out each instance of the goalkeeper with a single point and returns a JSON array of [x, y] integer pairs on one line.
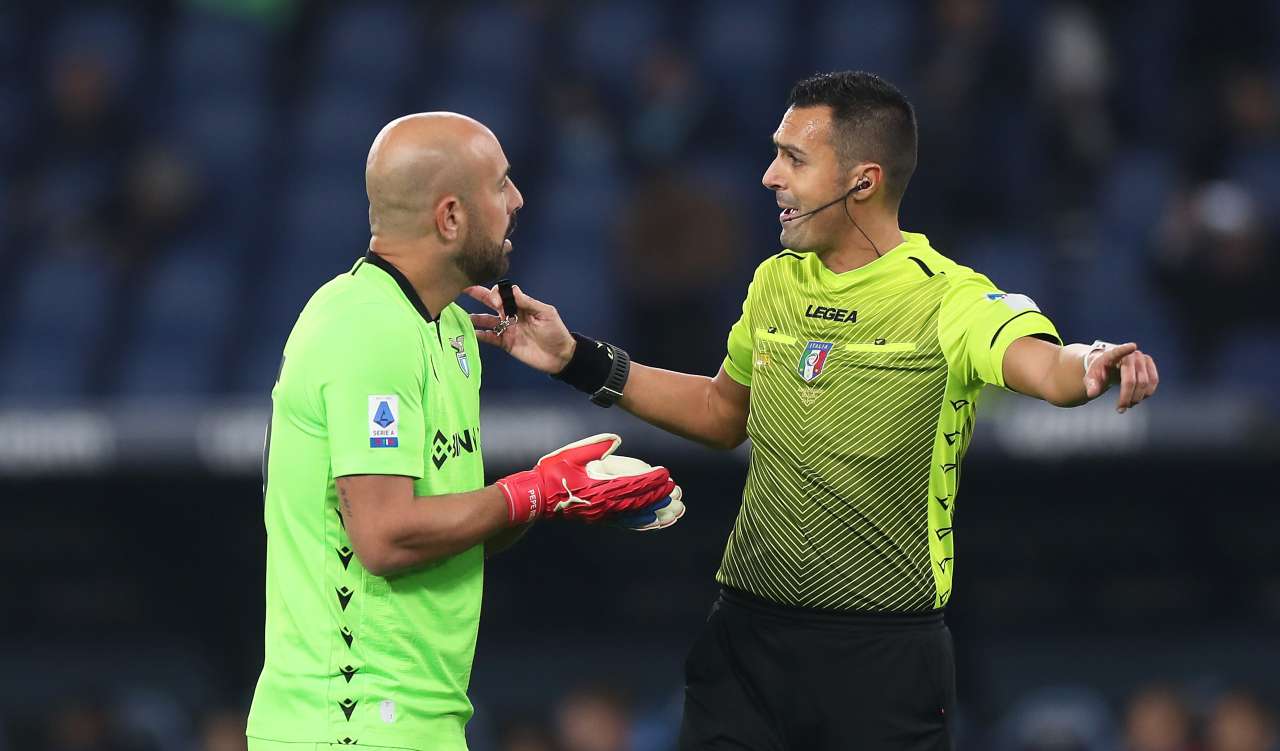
[[377, 519]]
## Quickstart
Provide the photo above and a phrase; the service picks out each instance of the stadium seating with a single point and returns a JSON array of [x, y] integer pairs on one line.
[[839, 43], [52, 345], [211, 55], [345, 59], [274, 122], [177, 336]]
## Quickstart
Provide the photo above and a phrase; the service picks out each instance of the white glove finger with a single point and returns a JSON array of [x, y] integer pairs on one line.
[[613, 438], [667, 515]]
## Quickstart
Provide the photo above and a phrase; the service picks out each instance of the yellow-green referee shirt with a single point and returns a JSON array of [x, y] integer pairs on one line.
[[864, 387]]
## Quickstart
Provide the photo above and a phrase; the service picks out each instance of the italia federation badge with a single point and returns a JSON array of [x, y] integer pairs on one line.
[[814, 359]]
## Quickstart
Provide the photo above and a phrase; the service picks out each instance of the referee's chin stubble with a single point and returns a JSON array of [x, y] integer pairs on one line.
[[792, 232], [792, 237], [799, 237]]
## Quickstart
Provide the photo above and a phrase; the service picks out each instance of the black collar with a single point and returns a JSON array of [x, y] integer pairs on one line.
[[405, 286]]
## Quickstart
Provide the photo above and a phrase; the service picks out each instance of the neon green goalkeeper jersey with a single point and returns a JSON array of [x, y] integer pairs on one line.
[[864, 387], [371, 384]]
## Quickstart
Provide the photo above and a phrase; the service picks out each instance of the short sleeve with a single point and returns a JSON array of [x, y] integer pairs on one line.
[[373, 401], [978, 322], [741, 348]]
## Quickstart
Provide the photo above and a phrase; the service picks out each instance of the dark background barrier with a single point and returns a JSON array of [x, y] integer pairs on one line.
[[1101, 577]]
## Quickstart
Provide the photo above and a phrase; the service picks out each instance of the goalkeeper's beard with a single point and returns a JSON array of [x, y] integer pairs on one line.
[[481, 260]]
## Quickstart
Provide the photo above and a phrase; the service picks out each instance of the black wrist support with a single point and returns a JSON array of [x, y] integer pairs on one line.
[[597, 368]]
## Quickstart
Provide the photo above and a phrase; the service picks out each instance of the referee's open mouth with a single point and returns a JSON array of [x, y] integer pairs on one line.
[[788, 212]]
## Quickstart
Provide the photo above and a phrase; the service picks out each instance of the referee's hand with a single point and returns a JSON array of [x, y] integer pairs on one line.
[[1125, 365], [538, 338]]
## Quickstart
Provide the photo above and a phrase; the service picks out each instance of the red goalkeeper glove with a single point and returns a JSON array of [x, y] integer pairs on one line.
[[577, 481]]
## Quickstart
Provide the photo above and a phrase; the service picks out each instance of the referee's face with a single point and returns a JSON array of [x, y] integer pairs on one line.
[[805, 175]]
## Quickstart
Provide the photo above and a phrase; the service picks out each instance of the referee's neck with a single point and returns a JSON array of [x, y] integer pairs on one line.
[[855, 249]]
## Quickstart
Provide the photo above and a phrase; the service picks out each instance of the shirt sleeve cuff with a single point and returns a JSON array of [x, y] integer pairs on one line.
[[736, 373], [1028, 323], [374, 465]]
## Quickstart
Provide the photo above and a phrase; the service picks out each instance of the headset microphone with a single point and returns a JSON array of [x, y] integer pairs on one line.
[[862, 184], [823, 206]]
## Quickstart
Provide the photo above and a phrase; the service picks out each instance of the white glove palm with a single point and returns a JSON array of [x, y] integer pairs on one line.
[[659, 515]]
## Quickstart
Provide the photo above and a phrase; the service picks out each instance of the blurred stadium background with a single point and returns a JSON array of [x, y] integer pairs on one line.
[[177, 177]]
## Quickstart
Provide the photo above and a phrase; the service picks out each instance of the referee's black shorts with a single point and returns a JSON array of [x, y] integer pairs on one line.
[[766, 677]]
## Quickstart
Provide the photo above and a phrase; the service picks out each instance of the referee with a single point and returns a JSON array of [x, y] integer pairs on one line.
[[377, 517], [855, 369]]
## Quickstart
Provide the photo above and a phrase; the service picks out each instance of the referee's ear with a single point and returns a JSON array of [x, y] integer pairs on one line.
[[450, 216], [865, 180]]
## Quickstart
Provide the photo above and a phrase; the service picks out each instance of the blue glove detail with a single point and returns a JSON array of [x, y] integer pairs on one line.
[[659, 515], [642, 518]]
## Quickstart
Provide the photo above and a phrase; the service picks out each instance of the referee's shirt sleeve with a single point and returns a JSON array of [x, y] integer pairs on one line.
[[372, 396], [978, 322], [741, 347]]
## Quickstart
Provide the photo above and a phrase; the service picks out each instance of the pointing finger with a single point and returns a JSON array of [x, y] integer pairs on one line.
[[1100, 375], [1118, 353]]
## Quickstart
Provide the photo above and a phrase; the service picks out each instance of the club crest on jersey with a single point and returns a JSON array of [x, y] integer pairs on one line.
[[814, 359], [461, 352]]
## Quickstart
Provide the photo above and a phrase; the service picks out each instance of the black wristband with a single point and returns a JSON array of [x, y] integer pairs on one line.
[[596, 368]]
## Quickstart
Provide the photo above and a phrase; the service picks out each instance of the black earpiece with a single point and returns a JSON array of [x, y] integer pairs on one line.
[[862, 184]]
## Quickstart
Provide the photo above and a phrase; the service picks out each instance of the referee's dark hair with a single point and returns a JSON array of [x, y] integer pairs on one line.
[[872, 122]]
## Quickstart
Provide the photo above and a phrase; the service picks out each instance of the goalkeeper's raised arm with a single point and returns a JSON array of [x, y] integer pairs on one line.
[[392, 530]]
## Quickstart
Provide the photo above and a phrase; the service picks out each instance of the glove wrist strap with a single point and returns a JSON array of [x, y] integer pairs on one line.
[[597, 368], [524, 495]]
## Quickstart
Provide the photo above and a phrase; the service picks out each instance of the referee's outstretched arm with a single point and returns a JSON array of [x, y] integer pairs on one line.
[[711, 411], [1077, 373]]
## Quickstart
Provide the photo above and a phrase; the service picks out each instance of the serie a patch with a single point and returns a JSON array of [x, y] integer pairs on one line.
[[1015, 301], [384, 411]]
